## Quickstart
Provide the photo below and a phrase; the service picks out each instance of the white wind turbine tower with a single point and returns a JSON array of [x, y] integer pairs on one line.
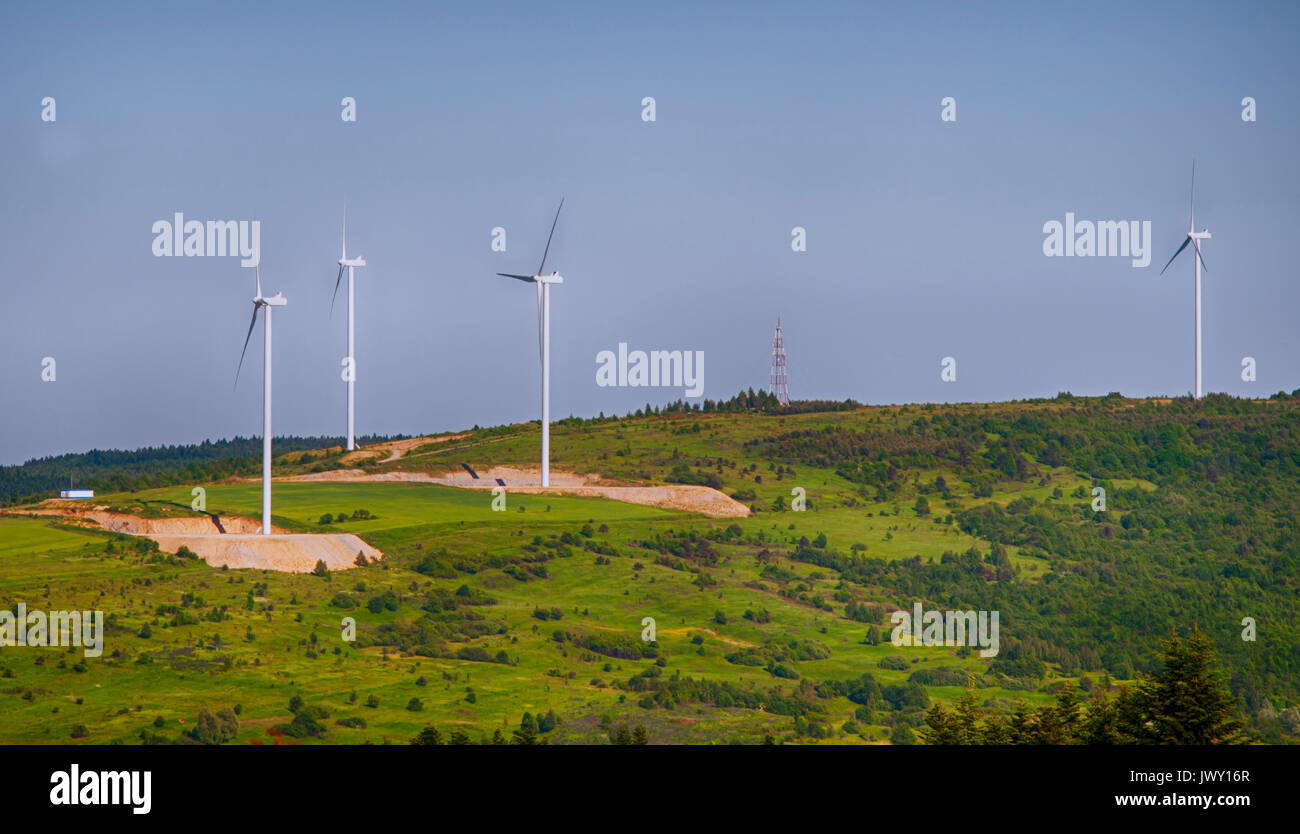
[[260, 301], [1194, 237], [544, 283], [351, 360]]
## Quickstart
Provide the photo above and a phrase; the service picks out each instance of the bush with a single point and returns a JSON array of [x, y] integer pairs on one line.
[[213, 729], [938, 676]]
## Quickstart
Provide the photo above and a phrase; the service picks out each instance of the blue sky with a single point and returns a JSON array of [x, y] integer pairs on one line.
[[924, 237]]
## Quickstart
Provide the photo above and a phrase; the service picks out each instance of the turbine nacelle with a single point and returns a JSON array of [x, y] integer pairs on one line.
[[277, 300], [259, 301], [553, 278], [345, 263]]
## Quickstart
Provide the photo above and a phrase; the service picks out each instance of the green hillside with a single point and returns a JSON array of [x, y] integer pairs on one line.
[[776, 625]]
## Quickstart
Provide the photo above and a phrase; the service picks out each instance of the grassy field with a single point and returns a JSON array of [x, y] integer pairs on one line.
[[481, 615], [296, 646]]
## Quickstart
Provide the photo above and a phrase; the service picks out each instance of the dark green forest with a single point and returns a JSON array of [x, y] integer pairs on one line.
[[1217, 540]]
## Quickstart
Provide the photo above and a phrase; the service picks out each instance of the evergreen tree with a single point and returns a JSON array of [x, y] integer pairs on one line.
[[940, 728], [527, 732], [1185, 701], [1099, 719], [1020, 727], [996, 731], [968, 715]]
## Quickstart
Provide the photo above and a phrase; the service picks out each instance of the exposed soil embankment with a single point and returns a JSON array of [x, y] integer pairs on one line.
[[695, 499], [396, 449], [241, 546], [293, 553], [139, 526]]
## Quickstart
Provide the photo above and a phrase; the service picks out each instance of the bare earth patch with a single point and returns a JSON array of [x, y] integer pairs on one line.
[[290, 552], [396, 449], [695, 499], [137, 526], [241, 546]]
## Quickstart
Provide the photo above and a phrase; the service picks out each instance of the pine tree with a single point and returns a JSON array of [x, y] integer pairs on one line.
[[996, 731], [968, 714], [1059, 723], [1187, 702], [1020, 727], [527, 732], [639, 735], [1099, 721], [940, 727]]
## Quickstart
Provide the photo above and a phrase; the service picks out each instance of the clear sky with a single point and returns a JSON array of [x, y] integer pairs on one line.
[[924, 237]]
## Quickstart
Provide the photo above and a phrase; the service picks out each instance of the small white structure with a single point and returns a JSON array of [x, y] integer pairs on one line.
[[76, 493]]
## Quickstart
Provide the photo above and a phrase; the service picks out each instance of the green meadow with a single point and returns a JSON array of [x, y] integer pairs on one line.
[[771, 627]]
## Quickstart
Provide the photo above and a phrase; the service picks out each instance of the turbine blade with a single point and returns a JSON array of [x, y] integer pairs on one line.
[[1176, 254], [1198, 254], [345, 230], [1191, 202], [258, 268], [528, 278], [336, 289], [542, 269], [251, 325]]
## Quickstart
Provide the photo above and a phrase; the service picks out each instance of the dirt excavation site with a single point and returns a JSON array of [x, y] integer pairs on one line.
[[240, 546], [696, 499], [235, 541]]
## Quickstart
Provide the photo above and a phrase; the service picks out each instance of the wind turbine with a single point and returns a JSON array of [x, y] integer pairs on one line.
[[350, 375], [260, 301], [543, 283], [1194, 237]]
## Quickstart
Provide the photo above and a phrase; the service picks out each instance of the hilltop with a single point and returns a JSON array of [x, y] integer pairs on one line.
[[774, 623]]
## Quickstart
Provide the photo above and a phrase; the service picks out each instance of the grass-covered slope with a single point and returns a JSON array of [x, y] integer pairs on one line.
[[765, 625]]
